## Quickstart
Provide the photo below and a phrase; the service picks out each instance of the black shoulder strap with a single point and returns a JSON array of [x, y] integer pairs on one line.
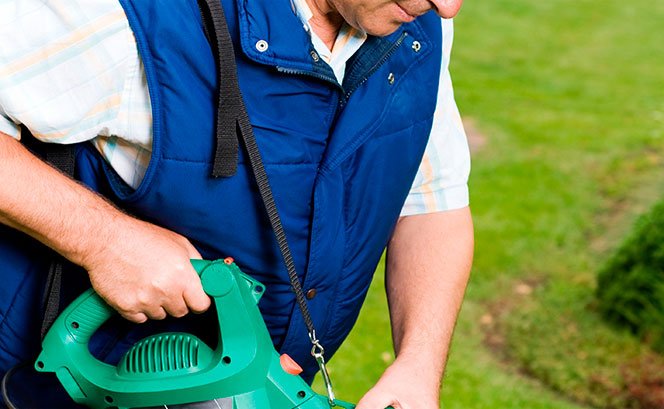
[[61, 157], [51, 299], [229, 100], [58, 155], [232, 118]]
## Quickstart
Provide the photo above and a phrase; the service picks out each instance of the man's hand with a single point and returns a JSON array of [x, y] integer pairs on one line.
[[402, 386], [140, 269], [146, 273]]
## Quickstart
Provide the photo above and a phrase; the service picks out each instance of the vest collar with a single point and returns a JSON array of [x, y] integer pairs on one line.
[[271, 33]]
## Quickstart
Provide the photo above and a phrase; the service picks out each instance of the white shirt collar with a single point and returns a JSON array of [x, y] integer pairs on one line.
[[348, 41]]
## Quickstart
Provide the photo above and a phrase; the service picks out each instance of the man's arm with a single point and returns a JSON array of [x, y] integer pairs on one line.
[[428, 265], [141, 270]]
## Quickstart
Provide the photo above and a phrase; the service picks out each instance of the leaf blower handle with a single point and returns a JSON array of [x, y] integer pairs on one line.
[[88, 314], [200, 265], [89, 311]]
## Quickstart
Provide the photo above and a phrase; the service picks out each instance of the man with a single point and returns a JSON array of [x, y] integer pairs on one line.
[[342, 96]]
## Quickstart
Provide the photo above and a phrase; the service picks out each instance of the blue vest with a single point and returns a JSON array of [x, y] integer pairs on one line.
[[340, 158]]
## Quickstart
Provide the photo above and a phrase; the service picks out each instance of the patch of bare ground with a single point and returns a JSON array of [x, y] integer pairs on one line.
[[644, 380], [494, 333], [641, 380]]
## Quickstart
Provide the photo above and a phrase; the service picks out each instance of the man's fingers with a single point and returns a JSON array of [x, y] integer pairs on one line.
[[195, 297], [374, 399], [137, 317], [157, 313], [177, 308]]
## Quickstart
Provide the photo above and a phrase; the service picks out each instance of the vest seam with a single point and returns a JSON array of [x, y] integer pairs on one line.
[[334, 164], [332, 113], [411, 125], [205, 162], [10, 353]]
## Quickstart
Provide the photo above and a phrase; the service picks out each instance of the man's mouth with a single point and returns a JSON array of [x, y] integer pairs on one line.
[[405, 15]]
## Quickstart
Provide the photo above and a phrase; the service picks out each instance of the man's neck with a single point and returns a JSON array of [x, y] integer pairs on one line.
[[326, 21]]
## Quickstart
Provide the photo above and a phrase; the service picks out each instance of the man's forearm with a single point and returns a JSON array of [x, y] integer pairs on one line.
[[428, 264], [42, 202], [140, 269]]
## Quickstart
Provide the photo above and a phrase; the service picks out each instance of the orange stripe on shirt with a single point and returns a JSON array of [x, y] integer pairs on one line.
[[63, 44]]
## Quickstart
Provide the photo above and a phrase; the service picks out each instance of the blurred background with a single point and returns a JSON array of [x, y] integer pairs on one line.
[[563, 103]]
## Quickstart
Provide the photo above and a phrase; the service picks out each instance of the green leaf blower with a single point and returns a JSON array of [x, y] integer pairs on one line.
[[178, 370]]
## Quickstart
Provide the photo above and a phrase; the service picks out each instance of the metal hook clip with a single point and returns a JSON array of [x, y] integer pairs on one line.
[[317, 351]]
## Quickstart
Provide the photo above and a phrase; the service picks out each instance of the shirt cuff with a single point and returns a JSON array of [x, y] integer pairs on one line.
[[449, 198]]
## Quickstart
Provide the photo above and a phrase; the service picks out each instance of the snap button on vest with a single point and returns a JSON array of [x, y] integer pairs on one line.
[[311, 293], [262, 45]]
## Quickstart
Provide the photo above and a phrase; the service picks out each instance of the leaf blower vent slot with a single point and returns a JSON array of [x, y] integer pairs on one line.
[[162, 353]]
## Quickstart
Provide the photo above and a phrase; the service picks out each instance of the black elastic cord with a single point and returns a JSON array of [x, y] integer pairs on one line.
[[272, 213], [230, 94], [229, 101], [5, 383]]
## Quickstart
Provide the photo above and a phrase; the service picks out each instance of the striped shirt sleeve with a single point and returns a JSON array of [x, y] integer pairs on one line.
[[8, 126], [441, 182], [70, 72], [61, 67]]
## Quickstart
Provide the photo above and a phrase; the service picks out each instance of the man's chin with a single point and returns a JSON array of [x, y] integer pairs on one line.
[[383, 31]]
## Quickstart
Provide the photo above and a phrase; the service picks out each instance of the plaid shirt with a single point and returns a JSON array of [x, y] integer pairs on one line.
[[70, 72]]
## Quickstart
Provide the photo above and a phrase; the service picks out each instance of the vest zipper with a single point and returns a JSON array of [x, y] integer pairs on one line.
[[373, 69], [345, 94], [322, 77]]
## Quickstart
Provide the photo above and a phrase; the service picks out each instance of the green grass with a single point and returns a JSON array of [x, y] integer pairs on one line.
[[630, 285], [570, 96]]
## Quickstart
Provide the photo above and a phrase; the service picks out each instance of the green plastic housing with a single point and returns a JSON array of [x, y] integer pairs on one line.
[[178, 368]]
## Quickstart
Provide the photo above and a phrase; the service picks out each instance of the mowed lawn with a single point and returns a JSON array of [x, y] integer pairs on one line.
[[565, 101]]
